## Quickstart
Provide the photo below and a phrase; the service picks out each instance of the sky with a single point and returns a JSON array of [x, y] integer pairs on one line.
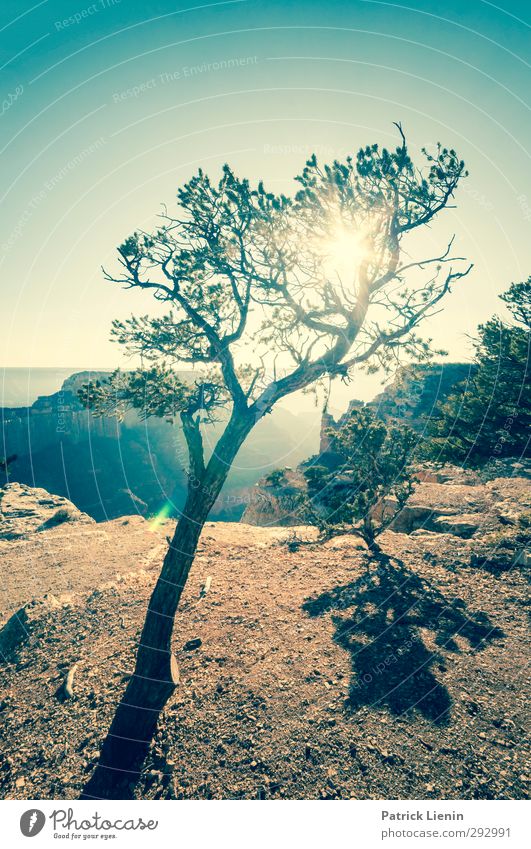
[[109, 106]]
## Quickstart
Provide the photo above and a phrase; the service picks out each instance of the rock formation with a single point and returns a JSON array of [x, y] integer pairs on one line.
[[412, 396], [25, 510]]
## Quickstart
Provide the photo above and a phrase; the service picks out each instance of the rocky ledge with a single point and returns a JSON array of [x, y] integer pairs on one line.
[[25, 510]]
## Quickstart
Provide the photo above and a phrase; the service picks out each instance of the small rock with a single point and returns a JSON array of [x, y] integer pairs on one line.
[[191, 645]]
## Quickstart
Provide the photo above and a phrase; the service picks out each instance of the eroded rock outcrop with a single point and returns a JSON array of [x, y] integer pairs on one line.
[[414, 393], [26, 510]]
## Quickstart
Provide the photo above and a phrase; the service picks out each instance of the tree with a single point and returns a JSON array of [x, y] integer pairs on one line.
[[266, 295], [366, 483], [490, 415]]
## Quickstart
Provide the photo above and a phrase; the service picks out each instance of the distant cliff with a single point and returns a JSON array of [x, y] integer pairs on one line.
[[410, 399], [109, 468], [105, 467], [414, 393]]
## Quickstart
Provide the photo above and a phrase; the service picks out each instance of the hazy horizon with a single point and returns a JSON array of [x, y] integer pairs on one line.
[[20, 386]]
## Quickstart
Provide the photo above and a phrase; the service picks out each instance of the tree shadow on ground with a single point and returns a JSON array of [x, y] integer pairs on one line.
[[386, 612]]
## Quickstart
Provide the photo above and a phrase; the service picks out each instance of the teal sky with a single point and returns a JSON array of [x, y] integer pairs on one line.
[[109, 106]]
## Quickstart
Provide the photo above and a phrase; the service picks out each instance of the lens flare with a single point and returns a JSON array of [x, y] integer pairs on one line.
[[163, 514]]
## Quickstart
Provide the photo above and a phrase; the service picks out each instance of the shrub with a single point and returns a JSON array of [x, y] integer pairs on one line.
[[276, 478], [371, 479]]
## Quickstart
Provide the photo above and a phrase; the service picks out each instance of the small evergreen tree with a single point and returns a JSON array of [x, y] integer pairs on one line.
[[368, 483], [490, 415]]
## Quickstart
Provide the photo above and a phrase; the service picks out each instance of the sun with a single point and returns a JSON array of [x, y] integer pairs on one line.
[[344, 250]]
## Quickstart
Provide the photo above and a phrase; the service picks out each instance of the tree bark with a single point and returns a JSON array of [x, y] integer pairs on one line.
[[156, 674]]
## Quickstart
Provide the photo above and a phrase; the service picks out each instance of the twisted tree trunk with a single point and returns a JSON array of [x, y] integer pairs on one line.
[[156, 674]]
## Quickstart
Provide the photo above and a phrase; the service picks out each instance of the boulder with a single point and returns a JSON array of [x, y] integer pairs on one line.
[[431, 473], [25, 510], [463, 525], [446, 500]]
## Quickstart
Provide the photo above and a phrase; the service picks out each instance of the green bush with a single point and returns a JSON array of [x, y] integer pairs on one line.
[[276, 478], [367, 483], [489, 417]]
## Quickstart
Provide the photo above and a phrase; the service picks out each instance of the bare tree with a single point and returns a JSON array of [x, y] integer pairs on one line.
[[267, 295]]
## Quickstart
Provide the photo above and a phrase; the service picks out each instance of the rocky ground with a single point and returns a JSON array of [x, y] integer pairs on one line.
[[320, 674]]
